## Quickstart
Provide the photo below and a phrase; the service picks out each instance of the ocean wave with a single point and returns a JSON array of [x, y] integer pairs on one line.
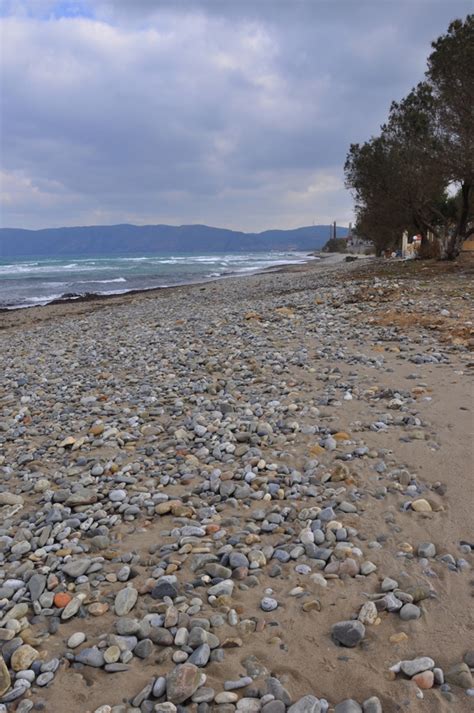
[[18, 281], [101, 282], [23, 268], [134, 259], [34, 301]]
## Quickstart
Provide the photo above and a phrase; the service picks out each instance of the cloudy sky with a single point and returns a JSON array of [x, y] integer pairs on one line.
[[235, 113]]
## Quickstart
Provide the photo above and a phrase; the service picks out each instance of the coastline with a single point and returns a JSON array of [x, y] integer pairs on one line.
[[204, 421], [314, 260], [89, 296]]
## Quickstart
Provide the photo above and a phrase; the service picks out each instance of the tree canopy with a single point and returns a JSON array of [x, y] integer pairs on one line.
[[418, 173]]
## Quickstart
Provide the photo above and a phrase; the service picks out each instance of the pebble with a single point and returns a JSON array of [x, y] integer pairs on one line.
[[426, 549], [348, 706], [372, 705], [182, 682], [91, 656], [368, 613], [348, 633], [5, 679], [23, 657], [125, 601], [459, 675], [414, 666], [76, 639], [154, 482], [424, 680], [268, 604], [409, 612], [307, 704]]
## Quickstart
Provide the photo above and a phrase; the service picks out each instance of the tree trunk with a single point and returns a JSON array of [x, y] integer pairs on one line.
[[457, 239]]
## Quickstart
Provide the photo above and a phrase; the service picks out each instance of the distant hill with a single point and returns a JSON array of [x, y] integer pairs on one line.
[[109, 240]]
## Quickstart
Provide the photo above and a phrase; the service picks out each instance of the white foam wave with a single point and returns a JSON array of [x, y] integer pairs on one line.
[[101, 282]]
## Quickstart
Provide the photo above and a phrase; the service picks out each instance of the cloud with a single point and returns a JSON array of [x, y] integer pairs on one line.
[[232, 114]]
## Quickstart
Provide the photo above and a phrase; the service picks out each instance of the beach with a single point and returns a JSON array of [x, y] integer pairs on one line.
[[253, 494]]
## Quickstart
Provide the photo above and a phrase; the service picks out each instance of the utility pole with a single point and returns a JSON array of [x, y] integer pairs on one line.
[[334, 230]]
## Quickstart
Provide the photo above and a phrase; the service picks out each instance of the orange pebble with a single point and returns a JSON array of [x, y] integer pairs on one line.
[[424, 680], [211, 528], [61, 599]]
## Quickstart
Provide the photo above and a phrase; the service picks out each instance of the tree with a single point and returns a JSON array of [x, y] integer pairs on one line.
[[419, 179], [371, 173], [451, 75], [403, 179]]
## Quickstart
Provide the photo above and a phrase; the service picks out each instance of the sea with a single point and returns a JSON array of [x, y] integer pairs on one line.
[[39, 281]]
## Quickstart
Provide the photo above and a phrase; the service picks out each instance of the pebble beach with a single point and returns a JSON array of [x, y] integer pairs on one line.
[[247, 496]]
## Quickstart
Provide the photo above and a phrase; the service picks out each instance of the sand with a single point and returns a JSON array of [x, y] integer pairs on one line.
[[296, 646]]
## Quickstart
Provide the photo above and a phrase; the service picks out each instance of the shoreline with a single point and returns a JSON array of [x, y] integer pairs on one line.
[[314, 260], [89, 296]]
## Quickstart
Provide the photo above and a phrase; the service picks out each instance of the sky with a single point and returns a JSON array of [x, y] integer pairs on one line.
[[232, 113]]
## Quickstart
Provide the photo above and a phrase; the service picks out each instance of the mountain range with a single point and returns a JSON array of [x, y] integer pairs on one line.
[[125, 239]]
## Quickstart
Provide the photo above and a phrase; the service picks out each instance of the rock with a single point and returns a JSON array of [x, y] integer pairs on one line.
[[426, 549], [204, 695], [5, 680], [459, 675], [216, 570], [117, 496], [164, 589], [224, 588], [159, 687], [390, 602], [424, 680], [268, 604], [36, 585], [414, 666], [143, 649], [73, 607], [165, 707], [240, 683], [238, 559], [388, 584], [468, 658], [278, 691], [76, 568], [16, 692], [10, 499], [409, 612], [348, 633], [91, 657], [421, 505], [61, 599], [274, 707], [368, 613], [44, 679], [23, 657], [226, 697], [249, 705], [125, 601], [112, 654], [372, 705], [200, 656], [182, 682], [307, 704], [142, 695], [367, 568], [348, 706]]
